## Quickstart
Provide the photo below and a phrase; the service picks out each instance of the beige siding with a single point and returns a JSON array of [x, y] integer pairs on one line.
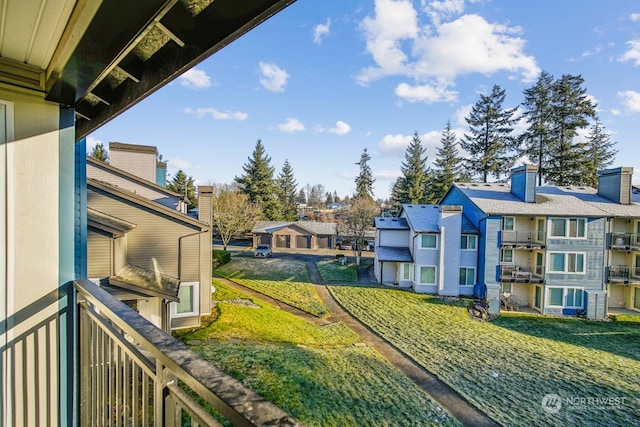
[[205, 272], [190, 258], [151, 309], [185, 322], [142, 165], [153, 244], [616, 296], [120, 253], [99, 251]]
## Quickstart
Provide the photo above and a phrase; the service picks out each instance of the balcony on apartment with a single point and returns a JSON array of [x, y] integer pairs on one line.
[[624, 241], [517, 273], [116, 369], [624, 274], [521, 240]]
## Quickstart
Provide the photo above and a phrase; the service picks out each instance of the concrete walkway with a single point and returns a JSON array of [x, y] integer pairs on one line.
[[448, 398]]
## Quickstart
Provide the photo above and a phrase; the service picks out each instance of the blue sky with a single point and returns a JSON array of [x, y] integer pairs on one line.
[[322, 80]]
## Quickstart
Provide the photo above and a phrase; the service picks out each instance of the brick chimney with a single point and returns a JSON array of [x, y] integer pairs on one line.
[[615, 184], [523, 182]]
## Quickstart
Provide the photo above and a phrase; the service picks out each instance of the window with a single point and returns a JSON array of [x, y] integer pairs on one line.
[[507, 255], [468, 242], [573, 228], [467, 276], [406, 270], [560, 262], [188, 304], [428, 275], [566, 297], [506, 288], [508, 223], [428, 241]]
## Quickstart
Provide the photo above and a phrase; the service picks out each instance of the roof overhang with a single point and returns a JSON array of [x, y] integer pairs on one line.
[[101, 57]]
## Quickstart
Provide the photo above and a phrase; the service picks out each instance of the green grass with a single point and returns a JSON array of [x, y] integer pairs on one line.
[[507, 366], [284, 280], [314, 373], [332, 270]]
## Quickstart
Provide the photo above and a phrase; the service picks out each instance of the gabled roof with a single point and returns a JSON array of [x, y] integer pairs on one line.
[[426, 219], [146, 203], [497, 199], [311, 227], [391, 223], [146, 282], [132, 177], [110, 224]]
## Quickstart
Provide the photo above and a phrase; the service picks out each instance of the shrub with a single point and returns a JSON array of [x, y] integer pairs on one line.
[[222, 257]]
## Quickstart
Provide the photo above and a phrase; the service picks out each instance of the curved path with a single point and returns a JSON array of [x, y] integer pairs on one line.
[[449, 399]]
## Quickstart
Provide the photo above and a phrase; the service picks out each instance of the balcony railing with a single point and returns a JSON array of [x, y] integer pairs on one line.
[[520, 274], [520, 239], [624, 274], [625, 241], [129, 372]]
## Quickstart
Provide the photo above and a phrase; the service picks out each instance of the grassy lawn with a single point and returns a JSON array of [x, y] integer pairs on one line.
[[314, 373], [284, 280], [333, 270], [506, 367]]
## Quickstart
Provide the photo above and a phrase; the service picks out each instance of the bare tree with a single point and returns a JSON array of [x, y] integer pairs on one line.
[[358, 220], [233, 213]]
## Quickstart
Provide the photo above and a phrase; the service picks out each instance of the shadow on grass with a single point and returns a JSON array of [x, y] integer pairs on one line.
[[620, 337]]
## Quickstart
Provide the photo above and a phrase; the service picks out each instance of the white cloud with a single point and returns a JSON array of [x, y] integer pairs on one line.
[[320, 31], [291, 125], [462, 113], [396, 145], [177, 163], [631, 100], [92, 142], [273, 77], [635, 17], [215, 114], [195, 79], [341, 128], [633, 54], [424, 93], [434, 55]]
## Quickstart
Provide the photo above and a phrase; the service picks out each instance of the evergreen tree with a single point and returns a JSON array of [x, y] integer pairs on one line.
[[336, 199], [599, 153], [302, 196], [536, 140], [572, 109], [328, 198], [396, 193], [287, 192], [364, 180], [258, 183], [448, 164], [100, 153], [414, 179], [490, 144], [184, 185]]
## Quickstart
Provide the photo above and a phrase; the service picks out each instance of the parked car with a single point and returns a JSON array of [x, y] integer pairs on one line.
[[344, 245], [262, 251]]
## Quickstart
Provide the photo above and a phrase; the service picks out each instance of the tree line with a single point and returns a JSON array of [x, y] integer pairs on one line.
[[554, 110]]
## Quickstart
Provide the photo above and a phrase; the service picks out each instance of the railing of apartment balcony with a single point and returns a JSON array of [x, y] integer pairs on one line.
[[521, 274], [520, 238], [625, 240], [78, 355], [624, 273], [132, 373]]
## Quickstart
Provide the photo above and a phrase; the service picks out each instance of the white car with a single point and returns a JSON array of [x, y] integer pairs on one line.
[[262, 251]]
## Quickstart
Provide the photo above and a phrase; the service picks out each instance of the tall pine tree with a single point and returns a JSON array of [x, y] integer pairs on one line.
[[184, 185], [536, 140], [287, 192], [447, 164], [599, 153], [490, 144], [364, 180], [258, 183], [572, 109], [415, 175]]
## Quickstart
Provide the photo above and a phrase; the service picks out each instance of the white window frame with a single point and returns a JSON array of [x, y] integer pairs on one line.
[[566, 262], [565, 294], [196, 301], [467, 237], [405, 271], [435, 275], [567, 228], [504, 222], [473, 269], [428, 247], [505, 261]]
